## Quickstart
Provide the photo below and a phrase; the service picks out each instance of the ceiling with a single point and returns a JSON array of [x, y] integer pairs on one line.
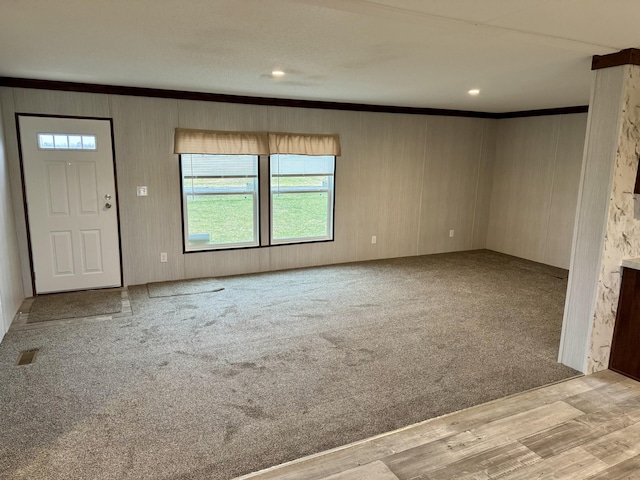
[[522, 54]]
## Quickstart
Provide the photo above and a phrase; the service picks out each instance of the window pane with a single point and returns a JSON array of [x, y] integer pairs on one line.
[[225, 218], [75, 141], [45, 140], [88, 142], [299, 215], [221, 200], [60, 141], [301, 198]]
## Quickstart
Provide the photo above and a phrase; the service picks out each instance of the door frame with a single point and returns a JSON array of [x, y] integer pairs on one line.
[[24, 189]]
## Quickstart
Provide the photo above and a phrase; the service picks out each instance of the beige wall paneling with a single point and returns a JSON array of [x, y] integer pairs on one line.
[[564, 196], [284, 257], [347, 185], [450, 182], [591, 216], [11, 291], [392, 152], [522, 185], [221, 116], [225, 262], [144, 129], [13, 160], [349, 239], [226, 116], [485, 185], [57, 102]]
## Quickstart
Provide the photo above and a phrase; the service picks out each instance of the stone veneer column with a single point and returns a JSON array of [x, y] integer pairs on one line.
[[607, 228]]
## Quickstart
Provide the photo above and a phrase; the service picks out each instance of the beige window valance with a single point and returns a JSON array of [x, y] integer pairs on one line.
[[304, 144], [254, 143], [222, 143]]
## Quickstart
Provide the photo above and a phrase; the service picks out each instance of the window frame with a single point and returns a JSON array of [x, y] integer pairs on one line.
[[257, 212], [331, 206]]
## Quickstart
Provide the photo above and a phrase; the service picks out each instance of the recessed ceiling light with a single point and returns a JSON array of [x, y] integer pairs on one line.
[[474, 92], [277, 73]]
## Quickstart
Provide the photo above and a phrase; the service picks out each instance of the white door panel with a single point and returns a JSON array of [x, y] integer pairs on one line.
[[71, 206]]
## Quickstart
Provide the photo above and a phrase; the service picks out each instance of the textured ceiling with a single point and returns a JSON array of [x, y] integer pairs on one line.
[[522, 54]]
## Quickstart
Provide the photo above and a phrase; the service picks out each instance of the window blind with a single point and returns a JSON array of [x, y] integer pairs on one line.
[[301, 165], [220, 166]]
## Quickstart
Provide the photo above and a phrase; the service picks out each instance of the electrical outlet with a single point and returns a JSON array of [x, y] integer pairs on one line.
[[142, 191], [450, 233], [163, 257], [374, 239]]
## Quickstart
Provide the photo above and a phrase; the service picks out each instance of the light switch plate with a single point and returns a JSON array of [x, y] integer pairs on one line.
[[142, 191]]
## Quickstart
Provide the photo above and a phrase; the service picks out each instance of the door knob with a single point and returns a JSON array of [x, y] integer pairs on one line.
[[107, 206]]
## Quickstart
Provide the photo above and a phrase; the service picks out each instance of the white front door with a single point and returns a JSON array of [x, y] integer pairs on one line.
[[71, 202]]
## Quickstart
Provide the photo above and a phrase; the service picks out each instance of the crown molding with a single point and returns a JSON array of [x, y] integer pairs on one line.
[[280, 102]]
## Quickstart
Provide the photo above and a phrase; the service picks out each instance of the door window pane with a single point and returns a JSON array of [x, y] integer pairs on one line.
[[88, 142], [45, 141], [75, 142], [60, 141]]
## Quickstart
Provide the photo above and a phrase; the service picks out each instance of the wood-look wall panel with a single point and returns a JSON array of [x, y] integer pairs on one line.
[[522, 184], [13, 160], [371, 172], [564, 197], [149, 225], [11, 290], [56, 102], [225, 262], [392, 151], [285, 257], [400, 221], [221, 116], [535, 185], [485, 185], [450, 182], [347, 186]]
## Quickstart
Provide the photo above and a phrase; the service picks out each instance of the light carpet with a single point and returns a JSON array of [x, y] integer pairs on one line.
[[276, 366], [184, 287]]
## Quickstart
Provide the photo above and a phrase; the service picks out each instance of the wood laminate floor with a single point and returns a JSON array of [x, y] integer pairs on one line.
[[584, 428]]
